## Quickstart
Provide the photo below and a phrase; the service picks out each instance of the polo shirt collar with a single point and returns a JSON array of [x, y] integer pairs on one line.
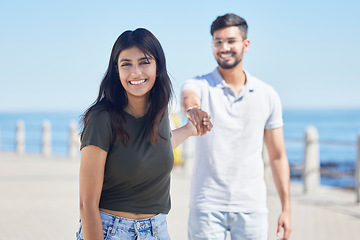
[[220, 82]]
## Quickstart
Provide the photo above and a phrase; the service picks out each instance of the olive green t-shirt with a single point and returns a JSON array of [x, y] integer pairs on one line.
[[137, 176]]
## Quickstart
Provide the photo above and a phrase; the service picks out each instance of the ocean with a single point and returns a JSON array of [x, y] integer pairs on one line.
[[338, 132]]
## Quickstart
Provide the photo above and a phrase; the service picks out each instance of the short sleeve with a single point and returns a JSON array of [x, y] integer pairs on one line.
[[97, 131], [275, 119], [194, 85]]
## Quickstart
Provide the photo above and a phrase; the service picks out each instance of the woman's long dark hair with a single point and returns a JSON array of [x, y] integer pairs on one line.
[[112, 95]]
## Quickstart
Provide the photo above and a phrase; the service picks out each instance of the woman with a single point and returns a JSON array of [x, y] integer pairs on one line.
[[126, 145]]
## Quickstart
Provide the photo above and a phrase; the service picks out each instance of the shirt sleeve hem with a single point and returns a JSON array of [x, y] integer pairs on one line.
[[103, 147], [274, 125]]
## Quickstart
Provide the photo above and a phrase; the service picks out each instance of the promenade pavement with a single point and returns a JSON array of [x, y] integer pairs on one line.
[[39, 200]]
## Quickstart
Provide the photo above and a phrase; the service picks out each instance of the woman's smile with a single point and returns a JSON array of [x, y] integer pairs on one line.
[[138, 82]]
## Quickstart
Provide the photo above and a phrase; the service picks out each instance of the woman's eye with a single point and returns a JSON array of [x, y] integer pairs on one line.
[[125, 64], [145, 62]]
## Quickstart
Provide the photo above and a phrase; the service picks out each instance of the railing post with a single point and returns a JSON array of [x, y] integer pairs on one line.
[[357, 171], [74, 140], [311, 172], [20, 137], [267, 168], [46, 138]]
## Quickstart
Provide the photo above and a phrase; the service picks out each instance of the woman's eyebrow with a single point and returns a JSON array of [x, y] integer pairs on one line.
[[125, 60], [145, 58], [140, 59]]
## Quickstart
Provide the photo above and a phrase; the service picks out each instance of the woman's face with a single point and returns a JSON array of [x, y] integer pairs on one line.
[[137, 72]]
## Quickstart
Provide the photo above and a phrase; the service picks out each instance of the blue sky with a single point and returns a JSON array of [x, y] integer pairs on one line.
[[53, 54]]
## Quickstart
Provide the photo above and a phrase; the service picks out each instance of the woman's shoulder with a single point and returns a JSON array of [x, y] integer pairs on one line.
[[99, 111]]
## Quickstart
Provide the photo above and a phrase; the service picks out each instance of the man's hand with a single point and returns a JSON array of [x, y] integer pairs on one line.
[[200, 119], [284, 222]]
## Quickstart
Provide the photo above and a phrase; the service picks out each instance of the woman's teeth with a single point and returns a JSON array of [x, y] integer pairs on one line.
[[137, 82]]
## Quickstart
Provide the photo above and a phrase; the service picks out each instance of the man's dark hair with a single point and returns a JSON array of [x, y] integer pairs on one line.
[[230, 20]]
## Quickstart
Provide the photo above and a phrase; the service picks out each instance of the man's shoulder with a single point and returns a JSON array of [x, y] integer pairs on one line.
[[255, 80], [258, 83], [211, 79], [204, 77]]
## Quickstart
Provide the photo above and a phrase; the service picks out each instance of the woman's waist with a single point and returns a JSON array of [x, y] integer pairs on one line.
[[128, 215]]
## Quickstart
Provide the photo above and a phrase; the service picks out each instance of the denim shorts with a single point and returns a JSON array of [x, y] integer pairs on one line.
[[206, 225], [116, 228]]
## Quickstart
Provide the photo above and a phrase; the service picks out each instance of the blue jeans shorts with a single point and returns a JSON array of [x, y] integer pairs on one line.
[[116, 228], [210, 225]]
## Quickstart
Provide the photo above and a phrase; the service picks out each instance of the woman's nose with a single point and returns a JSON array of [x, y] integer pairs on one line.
[[136, 70]]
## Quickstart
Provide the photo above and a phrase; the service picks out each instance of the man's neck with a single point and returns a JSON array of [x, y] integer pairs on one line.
[[234, 77]]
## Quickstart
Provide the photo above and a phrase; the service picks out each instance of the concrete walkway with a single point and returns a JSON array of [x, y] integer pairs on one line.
[[39, 200]]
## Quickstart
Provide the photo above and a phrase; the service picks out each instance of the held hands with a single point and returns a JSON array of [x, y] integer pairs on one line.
[[199, 120]]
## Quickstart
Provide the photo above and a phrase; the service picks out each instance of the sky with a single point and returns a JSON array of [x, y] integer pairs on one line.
[[53, 54]]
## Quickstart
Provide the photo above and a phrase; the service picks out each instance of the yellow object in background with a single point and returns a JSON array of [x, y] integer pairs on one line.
[[178, 156]]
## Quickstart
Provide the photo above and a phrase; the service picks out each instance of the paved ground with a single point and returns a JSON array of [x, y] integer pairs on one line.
[[39, 200]]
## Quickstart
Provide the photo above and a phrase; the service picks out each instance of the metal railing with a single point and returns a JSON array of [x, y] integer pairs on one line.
[[311, 170], [46, 139]]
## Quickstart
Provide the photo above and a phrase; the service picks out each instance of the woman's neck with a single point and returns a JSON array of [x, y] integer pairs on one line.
[[137, 107]]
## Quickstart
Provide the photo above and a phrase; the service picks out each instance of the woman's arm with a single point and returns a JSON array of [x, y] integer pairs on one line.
[[92, 166]]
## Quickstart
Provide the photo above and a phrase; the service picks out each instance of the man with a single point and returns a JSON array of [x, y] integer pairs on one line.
[[228, 191]]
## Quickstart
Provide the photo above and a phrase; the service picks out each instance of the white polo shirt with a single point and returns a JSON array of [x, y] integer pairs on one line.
[[228, 172]]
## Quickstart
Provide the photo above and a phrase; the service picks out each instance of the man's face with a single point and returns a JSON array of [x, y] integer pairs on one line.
[[229, 47]]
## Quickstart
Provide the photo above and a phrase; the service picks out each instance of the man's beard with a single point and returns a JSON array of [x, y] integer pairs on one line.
[[226, 65]]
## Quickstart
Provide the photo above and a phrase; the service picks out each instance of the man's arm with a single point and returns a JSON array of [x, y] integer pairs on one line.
[[190, 106], [274, 139], [189, 100]]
